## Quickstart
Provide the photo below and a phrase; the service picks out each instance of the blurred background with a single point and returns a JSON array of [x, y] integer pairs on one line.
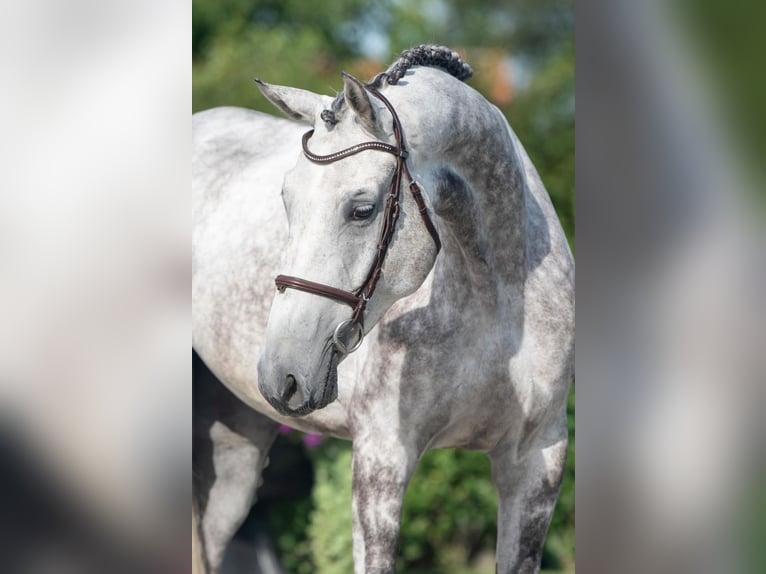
[[523, 58], [671, 276]]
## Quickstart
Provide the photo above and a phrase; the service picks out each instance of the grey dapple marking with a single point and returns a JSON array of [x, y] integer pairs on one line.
[[471, 348]]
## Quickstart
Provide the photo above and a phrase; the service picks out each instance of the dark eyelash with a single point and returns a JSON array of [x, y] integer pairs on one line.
[[362, 212]]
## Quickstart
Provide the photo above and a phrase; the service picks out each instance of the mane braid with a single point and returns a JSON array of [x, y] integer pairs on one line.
[[426, 55]]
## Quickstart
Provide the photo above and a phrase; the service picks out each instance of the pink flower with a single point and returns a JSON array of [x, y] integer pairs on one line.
[[311, 441], [284, 429]]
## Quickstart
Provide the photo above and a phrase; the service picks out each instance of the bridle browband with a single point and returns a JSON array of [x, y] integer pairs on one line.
[[359, 298]]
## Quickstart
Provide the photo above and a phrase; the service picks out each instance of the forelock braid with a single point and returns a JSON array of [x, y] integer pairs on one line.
[[427, 55]]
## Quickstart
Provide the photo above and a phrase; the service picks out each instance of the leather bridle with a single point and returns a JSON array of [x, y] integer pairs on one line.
[[359, 298]]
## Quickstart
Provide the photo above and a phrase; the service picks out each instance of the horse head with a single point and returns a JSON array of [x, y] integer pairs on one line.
[[350, 253]]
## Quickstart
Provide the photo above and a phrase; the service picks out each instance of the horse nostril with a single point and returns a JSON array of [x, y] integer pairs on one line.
[[291, 385]]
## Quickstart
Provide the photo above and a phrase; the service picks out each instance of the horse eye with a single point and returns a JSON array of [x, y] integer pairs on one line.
[[362, 212]]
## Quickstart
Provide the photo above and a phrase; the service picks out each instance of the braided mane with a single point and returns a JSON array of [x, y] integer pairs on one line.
[[426, 55]]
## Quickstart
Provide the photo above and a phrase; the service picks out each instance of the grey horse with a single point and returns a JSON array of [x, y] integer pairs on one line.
[[466, 339]]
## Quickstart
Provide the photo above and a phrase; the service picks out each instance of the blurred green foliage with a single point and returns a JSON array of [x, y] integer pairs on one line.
[[288, 522], [330, 528], [450, 511], [523, 57]]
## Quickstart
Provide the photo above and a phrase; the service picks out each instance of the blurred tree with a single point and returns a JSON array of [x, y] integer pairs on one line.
[[532, 28], [333, 23], [287, 42], [543, 117]]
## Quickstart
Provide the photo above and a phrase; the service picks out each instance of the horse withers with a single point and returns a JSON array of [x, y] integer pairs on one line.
[[396, 276]]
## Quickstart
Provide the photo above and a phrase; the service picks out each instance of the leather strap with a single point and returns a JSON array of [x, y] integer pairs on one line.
[[358, 299], [338, 155], [285, 281]]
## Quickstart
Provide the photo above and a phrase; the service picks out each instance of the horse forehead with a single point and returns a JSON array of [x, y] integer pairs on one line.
[[366, 170]]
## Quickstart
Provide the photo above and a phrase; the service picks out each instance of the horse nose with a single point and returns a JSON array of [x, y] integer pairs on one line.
[[290, 392], [289, 388]]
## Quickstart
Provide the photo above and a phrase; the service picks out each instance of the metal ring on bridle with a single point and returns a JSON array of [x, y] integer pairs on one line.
[[340, 345]]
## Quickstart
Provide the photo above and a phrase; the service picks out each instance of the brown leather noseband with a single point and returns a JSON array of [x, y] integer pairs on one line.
[[359, 298]]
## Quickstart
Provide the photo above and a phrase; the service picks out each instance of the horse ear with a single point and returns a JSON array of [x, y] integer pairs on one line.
[[359, 100], [297, 104]]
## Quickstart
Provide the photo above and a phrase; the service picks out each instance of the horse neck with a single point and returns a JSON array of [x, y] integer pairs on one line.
[[479, 194]]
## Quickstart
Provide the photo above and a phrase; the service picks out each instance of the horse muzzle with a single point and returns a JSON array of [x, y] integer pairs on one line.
[[297, 392]]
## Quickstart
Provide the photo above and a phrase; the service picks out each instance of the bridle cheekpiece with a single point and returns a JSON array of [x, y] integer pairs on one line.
[[359, 298]]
